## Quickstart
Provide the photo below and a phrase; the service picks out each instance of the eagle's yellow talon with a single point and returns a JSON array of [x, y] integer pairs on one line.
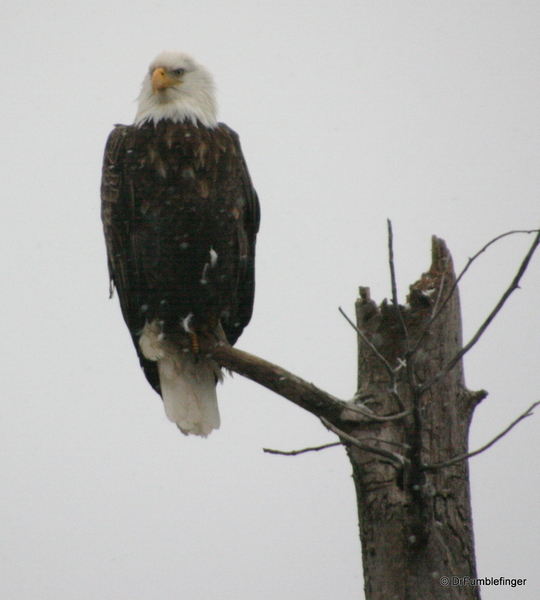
[[194, 342]]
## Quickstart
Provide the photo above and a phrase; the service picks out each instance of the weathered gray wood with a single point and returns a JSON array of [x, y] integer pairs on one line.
[[415, 518], [415, 524]]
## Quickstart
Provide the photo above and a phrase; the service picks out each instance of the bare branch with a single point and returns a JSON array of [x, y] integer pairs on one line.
[[463, 457], [393, 281], [513, 286], [395, 459], [484, 248], [438, 311], [296, 452], [370, 415], [369, 344], [405, 447], [391, 372], [280, 381]]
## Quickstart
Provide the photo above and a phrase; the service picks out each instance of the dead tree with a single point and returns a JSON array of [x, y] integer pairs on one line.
[[415, 521], [406, 433]]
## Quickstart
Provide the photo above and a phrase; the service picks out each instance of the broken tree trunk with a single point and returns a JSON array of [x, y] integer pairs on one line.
[[415, 519], [405, 432]]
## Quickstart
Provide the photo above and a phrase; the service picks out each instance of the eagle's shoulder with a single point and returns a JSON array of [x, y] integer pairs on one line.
[[112, 163]]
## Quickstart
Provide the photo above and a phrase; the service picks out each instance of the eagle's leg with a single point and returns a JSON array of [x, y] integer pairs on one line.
[[194, 338], [209, 330]]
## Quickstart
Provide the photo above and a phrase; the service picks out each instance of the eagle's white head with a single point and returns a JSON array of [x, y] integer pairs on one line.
[[178, 88]]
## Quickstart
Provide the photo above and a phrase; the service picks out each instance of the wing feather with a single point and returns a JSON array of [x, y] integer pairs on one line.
[[247, 234], [117, 210]]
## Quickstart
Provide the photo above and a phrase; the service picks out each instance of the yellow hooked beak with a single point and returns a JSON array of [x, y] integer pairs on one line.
[[160, 80]]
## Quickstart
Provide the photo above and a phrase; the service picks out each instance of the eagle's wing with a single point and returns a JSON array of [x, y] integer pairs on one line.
[[117, 213], [128, 255], [246, 243]]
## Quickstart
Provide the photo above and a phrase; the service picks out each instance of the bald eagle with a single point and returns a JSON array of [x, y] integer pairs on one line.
[[180, 217]]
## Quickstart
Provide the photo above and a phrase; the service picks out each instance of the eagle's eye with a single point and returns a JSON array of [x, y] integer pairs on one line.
[[179, 72]]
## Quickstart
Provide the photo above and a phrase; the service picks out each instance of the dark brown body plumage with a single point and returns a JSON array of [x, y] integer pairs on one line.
[[180, 217]]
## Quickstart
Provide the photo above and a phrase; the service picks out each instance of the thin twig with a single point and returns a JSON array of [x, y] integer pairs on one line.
[[374, 417], [437, 313], [463, 457], [383, 360], [394, 283], [391, 456], [391, 372], [295, 452], [482, 250], [512, 287], [398, 444], [408, 354]]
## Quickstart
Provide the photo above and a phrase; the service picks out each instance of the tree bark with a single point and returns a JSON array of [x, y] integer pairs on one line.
[[415, 520], [406, 432]]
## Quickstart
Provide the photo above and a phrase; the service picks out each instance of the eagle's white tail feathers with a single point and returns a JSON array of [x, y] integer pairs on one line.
[[189, 393], [188, 383]]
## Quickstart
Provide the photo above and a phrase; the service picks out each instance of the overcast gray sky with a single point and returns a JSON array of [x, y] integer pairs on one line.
[[349, 113]]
